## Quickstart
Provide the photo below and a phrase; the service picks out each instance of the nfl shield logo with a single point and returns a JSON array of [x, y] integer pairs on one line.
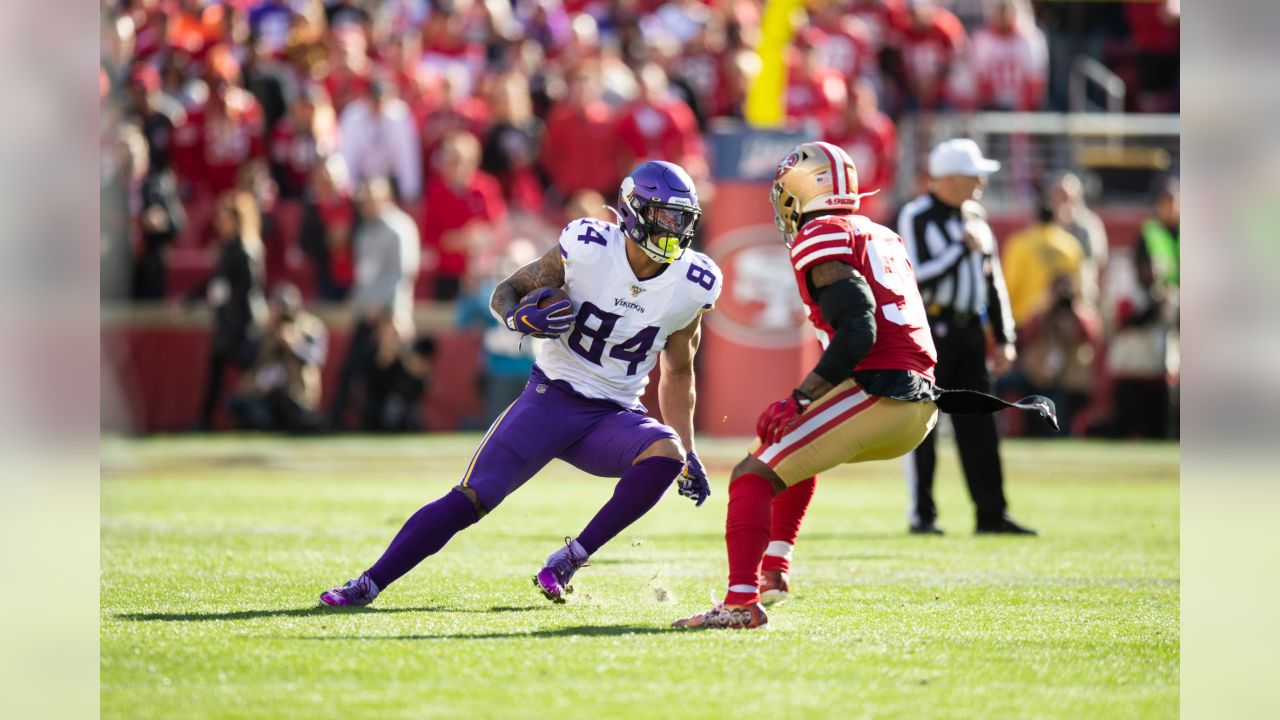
[[636, 290]]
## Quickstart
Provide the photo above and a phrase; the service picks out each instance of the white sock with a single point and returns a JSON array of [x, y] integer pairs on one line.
[[779, 548], [749, 590]]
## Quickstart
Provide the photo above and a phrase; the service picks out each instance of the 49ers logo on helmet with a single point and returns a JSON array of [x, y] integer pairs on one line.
[[787, 163]]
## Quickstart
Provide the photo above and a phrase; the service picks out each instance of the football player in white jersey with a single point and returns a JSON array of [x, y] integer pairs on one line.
[[635, 291]]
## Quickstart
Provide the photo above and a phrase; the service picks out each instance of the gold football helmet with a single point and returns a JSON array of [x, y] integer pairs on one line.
[[814, 176]]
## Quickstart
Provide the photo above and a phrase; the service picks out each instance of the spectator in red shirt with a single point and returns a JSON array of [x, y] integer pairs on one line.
[[871, 140], [1010, 60], [581, 139], [463, 207], [657, 126], [931, 44], [301, 141], [229, 126], [846, 45], [815, 93], [1154, 27], [222, 131], [885, 20], [152, 36]]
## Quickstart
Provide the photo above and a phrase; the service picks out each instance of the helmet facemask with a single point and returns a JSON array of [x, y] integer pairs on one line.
[[668, 230], [785, 215]]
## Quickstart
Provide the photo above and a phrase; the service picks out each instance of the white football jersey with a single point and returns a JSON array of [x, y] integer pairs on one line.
[[621, 323]]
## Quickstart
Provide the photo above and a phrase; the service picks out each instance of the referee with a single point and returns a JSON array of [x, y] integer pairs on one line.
[[954, 255]]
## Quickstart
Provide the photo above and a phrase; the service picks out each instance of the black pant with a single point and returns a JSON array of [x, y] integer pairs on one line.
[[962, 365], [355, 370], [227, 350]]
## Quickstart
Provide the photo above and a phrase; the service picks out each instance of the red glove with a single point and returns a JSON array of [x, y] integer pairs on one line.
[[780, 417]]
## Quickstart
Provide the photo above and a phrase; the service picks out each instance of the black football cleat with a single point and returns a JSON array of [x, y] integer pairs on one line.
[[925, 529], [1004, 526]]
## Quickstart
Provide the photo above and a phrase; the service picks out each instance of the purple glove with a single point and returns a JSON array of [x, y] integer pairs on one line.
[[547, 322], [692, 482]]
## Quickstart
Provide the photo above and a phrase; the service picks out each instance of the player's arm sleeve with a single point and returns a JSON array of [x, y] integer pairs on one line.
[[848, 305]]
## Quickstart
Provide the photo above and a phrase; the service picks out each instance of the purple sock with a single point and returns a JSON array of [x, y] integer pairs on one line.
[[637, 492], [422, 536]]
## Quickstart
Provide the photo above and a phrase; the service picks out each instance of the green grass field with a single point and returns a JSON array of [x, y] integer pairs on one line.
[[214, 550]]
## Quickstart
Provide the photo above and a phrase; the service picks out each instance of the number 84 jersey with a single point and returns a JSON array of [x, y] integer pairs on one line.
[[903, 338], [621, 323]]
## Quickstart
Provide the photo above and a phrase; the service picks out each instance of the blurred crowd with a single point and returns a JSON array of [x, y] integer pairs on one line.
[[371, 152], [1090, 324]]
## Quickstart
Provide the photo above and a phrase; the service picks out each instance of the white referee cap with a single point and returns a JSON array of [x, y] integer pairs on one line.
[[960, 157]]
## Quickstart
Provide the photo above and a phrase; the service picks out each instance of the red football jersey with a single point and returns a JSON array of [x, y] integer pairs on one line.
[[903, 339]]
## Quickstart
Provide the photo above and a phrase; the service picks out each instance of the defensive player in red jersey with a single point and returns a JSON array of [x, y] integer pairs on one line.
[[870, 397]]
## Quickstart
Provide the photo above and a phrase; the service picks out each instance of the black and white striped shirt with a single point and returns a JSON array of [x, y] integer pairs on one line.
[[955, 281]]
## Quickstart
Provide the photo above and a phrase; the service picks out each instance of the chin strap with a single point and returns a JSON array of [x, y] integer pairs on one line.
[[613, 210]]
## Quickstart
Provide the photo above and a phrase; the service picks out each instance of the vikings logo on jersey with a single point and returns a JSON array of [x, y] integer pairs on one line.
[[621, 323]]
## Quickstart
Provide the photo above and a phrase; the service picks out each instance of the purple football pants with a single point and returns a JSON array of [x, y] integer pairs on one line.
[[547, 421], [550, 421]]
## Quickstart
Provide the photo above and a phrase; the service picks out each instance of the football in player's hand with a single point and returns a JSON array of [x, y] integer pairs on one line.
[[546, 312], [555, 296]]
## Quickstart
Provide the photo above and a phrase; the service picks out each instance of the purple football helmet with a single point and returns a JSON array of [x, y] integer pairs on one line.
[[658, 209]]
